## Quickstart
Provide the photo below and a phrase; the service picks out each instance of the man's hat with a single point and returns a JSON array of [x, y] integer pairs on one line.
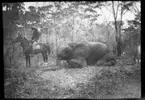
[[33, 28]]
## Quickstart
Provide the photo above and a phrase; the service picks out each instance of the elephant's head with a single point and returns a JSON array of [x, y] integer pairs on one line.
[[64, 54]]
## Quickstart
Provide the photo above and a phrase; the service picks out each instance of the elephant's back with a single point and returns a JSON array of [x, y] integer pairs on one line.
[[81, 50], [96, 52]]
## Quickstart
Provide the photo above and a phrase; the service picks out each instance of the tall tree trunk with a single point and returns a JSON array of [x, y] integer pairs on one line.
[[120, 27], [55, 36], [118, 45], [73, 29], [115, 26], [108, 33]]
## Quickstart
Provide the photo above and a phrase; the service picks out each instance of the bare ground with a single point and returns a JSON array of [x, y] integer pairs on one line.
[[50, 81]]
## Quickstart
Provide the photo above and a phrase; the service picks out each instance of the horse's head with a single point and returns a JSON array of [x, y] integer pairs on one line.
[[33, 29], [19, 38]]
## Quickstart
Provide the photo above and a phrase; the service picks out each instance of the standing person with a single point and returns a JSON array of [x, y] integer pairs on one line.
[[35, 38], [137, 53]]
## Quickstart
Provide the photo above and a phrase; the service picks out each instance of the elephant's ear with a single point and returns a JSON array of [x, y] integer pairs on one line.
[[68, 51]]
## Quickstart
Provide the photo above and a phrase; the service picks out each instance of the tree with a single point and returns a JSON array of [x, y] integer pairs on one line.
[[11, 16], [116, 7], [133, 31]]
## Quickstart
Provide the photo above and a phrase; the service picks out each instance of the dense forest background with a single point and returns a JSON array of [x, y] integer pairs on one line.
[[62, 22]]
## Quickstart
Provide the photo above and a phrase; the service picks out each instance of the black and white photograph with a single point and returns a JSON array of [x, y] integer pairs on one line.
[[72, 49]]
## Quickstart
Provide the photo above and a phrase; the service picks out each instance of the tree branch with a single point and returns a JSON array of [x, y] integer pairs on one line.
[[124, 12], [114, 18], [137, 9], [133, 11], [104, 15], [113, 10], [108, 9], [117, 10]]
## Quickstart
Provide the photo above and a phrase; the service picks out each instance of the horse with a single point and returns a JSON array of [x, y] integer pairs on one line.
[[28, 48]]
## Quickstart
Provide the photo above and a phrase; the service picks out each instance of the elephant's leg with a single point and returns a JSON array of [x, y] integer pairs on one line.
[[64, 64], [77, 63], [100, 63], [73, 63], [82, 61]]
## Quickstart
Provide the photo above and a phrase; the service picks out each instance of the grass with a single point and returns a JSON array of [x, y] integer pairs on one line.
[[120, 81]]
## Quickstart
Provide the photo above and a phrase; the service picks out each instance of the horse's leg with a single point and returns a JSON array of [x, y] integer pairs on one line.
[[29, 60], [46, 57], [26, 57], [43, 56], [26, 60]]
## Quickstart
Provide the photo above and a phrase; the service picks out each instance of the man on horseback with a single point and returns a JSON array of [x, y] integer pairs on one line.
[[28, 46], [35, 38]]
